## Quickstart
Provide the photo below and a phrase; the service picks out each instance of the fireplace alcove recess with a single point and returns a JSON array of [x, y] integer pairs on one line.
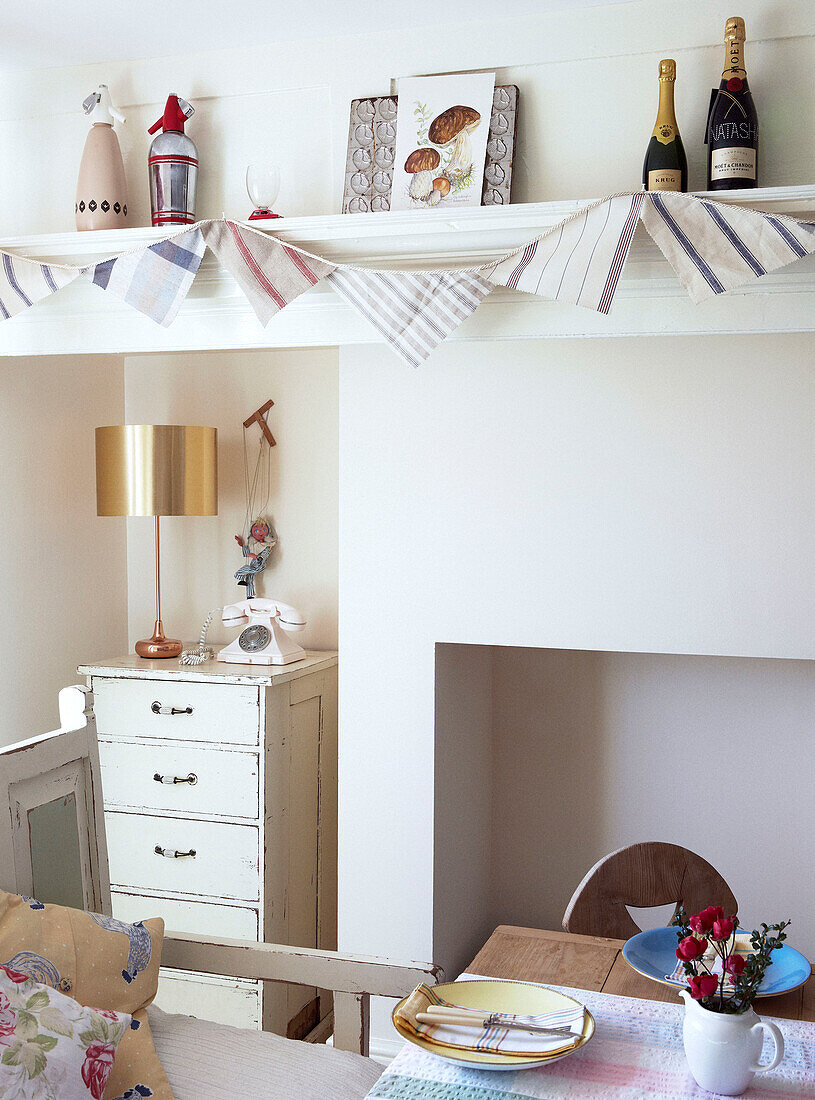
[[81, 319], [547, 759]]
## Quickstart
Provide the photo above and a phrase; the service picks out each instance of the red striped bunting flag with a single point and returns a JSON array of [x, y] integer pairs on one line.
[[579, 261], [269, 273]]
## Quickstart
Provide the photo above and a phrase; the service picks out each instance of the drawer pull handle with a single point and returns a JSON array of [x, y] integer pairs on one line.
[[192, 779], [171, 853], [157, 708]]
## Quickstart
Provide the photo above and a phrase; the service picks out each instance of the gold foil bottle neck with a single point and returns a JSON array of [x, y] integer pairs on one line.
[[667, 69], [734, 30]]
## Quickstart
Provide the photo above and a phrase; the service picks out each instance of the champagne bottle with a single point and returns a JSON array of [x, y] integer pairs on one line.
[[665, 167], [732, 125]]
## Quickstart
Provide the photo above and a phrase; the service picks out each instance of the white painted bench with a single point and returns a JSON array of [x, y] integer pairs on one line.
[[66, 762]]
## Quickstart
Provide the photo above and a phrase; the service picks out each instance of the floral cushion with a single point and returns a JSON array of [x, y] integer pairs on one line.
[[51, 1047], [99, 961]]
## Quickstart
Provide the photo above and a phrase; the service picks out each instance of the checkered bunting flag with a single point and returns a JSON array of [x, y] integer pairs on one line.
[[714, 247], [269, 273], [413, 311], [579, 261], [154, 280], [24, 282]]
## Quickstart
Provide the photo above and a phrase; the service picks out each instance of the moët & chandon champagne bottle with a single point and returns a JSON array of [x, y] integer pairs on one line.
[[732, 125], [666, 166]]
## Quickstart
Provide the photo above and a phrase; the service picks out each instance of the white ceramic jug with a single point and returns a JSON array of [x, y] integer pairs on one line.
[[723, 1049]]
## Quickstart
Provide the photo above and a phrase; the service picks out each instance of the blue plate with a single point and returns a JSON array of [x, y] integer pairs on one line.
[[653, 954]]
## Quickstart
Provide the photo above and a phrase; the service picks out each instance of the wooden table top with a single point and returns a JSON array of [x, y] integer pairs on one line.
[[591, 962]]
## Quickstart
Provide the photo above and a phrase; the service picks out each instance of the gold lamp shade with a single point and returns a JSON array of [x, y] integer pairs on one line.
[[157, 470]]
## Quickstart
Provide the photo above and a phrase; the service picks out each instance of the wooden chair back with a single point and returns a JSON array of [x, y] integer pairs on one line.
[[643, 875]]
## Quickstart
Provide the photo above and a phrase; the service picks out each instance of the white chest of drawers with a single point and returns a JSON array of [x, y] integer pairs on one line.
[[221, 816]]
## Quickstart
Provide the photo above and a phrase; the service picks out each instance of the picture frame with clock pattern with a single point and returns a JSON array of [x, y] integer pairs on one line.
[[372, 145]]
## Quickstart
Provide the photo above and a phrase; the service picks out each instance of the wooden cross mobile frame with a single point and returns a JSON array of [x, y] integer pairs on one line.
[[259, 417]]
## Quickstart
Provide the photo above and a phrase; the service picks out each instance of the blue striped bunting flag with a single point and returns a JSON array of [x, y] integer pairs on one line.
[[154, 280], [414, 311], [24, 282], [579, 261], [714, 247]]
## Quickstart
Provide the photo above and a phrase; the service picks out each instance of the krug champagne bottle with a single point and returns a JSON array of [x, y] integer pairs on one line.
[[732, 125], [665, 167]]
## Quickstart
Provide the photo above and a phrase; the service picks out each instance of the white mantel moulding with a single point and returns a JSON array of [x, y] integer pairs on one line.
[[82, 319]]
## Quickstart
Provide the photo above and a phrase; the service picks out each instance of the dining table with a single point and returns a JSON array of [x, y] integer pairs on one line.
[[636, 1052]]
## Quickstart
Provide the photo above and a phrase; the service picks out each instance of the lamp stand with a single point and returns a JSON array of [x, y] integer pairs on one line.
[[158, 647]]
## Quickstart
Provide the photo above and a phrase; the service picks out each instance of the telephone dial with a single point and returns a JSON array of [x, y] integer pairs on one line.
[[263, 641]]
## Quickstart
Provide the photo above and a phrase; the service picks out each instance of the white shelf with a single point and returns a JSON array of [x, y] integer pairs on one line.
[[81, 319], [409, 238]]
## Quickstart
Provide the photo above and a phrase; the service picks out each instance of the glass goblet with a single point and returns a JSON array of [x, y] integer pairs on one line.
[[263, 185]]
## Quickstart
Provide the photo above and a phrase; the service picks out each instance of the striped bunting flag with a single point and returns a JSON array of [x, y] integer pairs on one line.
[[579, 261], [714, 247], [154, 280], [414, 311], [24, 282], [269, 273]]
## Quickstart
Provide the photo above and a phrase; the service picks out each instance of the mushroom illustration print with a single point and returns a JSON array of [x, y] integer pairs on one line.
[[420, 165], [452, 128]]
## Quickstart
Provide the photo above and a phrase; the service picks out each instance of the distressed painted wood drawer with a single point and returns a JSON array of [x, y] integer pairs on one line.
[[225, 1000], [225, 864], [226, 783], [223, 713], [203, 918]]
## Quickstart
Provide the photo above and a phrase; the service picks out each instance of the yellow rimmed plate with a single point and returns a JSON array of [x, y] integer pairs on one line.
[[492, 995]]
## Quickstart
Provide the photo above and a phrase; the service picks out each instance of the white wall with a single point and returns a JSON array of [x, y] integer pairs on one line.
[[588, 102], [620, 495], [199, 554], [62, 569]]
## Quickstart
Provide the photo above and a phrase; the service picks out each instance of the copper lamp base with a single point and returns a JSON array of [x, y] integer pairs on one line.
[[158, 647]]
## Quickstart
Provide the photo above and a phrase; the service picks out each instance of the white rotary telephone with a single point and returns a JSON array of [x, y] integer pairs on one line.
[[263, 642]]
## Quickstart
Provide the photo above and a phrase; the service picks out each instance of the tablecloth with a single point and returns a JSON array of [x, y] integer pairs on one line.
[[636, 1054]]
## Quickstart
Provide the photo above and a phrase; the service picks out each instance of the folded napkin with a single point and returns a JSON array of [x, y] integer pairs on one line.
[[487, 1039]]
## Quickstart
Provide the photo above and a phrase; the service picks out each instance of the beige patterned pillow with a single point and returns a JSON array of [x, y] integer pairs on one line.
[[97, 961], [50, 1046]]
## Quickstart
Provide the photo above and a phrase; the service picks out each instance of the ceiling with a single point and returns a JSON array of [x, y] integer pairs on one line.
[[53, 33]]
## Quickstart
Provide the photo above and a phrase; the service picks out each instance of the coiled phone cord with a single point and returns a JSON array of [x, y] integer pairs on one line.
[[204, 652]]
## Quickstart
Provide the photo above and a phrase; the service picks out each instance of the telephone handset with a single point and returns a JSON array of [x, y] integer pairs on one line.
[[263, 641]]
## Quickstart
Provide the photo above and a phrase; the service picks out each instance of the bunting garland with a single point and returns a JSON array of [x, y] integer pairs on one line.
[[270, 274], [713, 247], [578, 261], [24, 282], [154, 280], [414, 312]]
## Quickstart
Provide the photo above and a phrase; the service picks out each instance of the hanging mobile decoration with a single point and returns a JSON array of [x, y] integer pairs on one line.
[[258, 538]]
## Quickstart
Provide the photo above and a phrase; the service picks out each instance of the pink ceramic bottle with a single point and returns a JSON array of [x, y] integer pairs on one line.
[[101, 192]]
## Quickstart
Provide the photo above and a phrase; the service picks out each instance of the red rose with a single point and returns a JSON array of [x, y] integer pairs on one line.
[[703, 922], [703, 986], [108, 1014], [690, 948], [8, 1018], [734, 964], [723, 929], [14, 975], [97, 1066]]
